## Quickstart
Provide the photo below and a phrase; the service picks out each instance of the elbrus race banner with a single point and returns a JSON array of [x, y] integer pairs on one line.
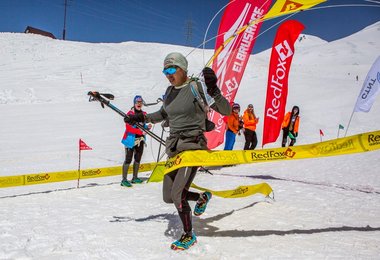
[[277, 89], [280, 8], [230, 64], [370, 90]]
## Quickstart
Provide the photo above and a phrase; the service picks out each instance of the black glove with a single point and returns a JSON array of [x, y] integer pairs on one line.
[[210, 80], [132, 119], [295, 134]]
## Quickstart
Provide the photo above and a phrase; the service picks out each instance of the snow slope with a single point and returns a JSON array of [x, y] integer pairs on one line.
[[324, 208]]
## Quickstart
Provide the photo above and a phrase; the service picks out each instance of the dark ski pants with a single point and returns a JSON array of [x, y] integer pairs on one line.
[[285, 134], [250, 139], [137, 151], [176, 190]]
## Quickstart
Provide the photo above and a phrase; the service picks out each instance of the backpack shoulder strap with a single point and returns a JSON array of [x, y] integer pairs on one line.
[[202, 102], [195, 89]]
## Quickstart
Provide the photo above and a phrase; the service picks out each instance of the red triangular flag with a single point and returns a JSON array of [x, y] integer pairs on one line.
[[83, 145], [321, 133]]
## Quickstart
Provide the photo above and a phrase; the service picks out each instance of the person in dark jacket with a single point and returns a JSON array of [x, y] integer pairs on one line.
[[133, 140], [290, 126], [187, 123]]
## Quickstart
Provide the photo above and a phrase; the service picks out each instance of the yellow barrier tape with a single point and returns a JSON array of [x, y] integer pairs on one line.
[[241, 191], [11, 181], [40, 178], [157, 173], [48, 177], [354, 144]]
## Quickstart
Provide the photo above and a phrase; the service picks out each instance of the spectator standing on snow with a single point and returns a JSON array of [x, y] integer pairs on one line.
[[250, 121], [234, 124], [133, 140], [290, 126]]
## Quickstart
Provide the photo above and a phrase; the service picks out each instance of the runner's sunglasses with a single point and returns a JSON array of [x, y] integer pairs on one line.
[[169, 71]]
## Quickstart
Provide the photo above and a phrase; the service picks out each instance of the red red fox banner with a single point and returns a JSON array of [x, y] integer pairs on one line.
[[277, 90], [230, 64]]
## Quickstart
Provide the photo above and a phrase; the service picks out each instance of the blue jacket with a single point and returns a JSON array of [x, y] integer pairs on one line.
[[130, 133]]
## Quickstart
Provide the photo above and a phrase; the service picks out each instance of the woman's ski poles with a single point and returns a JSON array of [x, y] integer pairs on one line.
[[104, 100]]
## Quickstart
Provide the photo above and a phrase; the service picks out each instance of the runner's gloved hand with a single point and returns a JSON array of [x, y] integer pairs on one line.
[[132, 119], [210, 80]]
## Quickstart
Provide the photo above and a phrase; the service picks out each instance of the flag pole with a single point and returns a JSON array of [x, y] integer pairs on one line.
[[79, 164], [368, 92], [338, 132], [349, 122]]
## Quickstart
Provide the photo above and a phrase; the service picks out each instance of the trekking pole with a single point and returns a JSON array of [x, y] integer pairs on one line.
[[152, 104], [102, 98], [159, 148]]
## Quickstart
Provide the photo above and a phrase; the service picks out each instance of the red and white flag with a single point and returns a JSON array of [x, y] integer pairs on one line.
[[230, 63], [277, 89], [83, 146], [321, 133]]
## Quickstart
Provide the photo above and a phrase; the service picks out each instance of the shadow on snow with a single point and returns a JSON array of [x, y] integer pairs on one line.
[[203, 226]]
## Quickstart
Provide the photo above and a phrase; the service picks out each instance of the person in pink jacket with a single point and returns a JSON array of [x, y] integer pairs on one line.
[[133, 140]]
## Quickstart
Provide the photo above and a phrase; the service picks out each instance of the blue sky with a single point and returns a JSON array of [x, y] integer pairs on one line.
[[168, 21]]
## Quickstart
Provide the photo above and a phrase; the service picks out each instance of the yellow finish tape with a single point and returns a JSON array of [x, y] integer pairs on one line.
[[353, 144], [241, 191]]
